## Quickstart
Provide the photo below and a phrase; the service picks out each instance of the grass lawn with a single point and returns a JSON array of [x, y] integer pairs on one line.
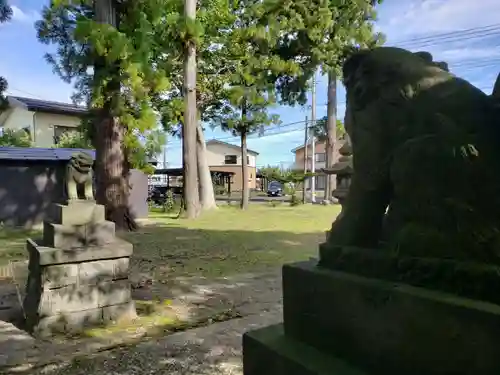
[[230, 241], [223, 242]]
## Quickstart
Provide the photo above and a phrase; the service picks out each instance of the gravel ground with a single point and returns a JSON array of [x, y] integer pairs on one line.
[[211, 350]]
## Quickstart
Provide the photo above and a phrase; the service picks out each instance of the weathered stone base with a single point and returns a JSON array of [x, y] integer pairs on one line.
[[70, 290], [267, 351], [383, 328], [478, 281], [78, 321]]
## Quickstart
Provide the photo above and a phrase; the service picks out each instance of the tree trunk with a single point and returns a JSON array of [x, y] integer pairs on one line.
[[207, 196], [189, 158], [244, 172], [331, 134], [111, 164]]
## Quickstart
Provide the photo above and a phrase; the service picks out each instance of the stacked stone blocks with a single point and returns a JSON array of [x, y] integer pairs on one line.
[[78, 272]]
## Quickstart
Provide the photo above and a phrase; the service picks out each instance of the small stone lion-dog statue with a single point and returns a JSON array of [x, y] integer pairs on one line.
[[79, 174], [426, 158]]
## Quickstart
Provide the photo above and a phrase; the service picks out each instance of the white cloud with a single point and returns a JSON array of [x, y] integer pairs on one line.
[[415, 17], [474, 56], [18, 15]]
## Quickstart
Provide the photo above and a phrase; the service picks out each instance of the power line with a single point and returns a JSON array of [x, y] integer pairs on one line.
[[435, 36], [457, 38]]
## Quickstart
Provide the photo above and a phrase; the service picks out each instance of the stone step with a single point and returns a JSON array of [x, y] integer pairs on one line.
[[49, 255], [390, 328], [78, 212], [77, 236], [267, 351]]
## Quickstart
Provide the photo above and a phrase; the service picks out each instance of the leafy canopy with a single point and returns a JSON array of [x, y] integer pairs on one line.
[[94, 55]]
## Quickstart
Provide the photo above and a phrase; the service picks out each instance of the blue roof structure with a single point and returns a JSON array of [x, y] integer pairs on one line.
[[34, 154], [46, 106]]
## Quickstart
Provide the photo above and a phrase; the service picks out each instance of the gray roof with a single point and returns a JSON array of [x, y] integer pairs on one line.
[[217, 142], [26, 153], [46, 106]]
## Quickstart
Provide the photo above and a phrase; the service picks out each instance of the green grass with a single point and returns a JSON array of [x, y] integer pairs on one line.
[[220, 243], [223, 242], [13, 244], [230, 241]]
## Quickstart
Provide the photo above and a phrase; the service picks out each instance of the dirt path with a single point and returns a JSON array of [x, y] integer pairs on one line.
[[211, 350], [245, 301]]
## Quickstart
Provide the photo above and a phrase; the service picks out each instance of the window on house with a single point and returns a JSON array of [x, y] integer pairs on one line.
[[320, 157], [248, 160], [231, 159], [60, 130], [320, 182]]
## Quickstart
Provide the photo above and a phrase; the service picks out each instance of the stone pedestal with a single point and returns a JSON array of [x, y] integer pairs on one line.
[[78, 272], [341, 323]]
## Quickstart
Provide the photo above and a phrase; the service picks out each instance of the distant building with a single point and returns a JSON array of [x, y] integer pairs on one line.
[[226, 157], [320, 161], [44, 120]]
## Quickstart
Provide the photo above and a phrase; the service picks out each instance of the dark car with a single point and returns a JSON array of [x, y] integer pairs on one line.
[[274, 189]]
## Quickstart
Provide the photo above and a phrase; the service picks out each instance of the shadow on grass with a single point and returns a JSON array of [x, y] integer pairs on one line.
[[185, 278], [171, 250]]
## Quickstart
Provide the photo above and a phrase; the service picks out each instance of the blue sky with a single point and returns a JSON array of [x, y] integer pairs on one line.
[[474, 58]]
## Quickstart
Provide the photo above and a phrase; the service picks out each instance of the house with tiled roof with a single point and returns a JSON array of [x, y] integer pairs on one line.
[[44, 120]]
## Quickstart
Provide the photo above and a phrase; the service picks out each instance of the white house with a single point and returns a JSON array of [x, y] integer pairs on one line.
[[44, 120]]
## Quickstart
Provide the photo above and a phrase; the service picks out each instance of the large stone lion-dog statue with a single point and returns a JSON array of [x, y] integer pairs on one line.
[[426, 157], [79, 174]]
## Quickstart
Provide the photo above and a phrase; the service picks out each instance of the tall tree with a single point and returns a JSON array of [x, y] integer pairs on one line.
[[213, 19], [314, 34], [105, 48], [189, 127], [5, 15], [111, 173], [250, 84], [247, 115]]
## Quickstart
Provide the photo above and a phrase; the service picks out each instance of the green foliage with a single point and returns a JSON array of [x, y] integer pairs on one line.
[[213, 21], [15, 138], [269, 172], [143, 148], [320, 129], [169, 203], [292, 180], [305, 35], [74, 139], [96, 56]]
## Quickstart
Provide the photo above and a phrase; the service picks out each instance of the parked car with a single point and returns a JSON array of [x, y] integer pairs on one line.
[[274, 189]]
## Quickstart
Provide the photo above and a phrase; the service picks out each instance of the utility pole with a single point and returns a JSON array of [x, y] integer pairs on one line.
[[313, 140], [306, 139]]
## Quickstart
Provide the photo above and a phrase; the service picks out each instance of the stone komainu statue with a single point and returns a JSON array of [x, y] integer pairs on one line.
[[79, 174], [426, 158]]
